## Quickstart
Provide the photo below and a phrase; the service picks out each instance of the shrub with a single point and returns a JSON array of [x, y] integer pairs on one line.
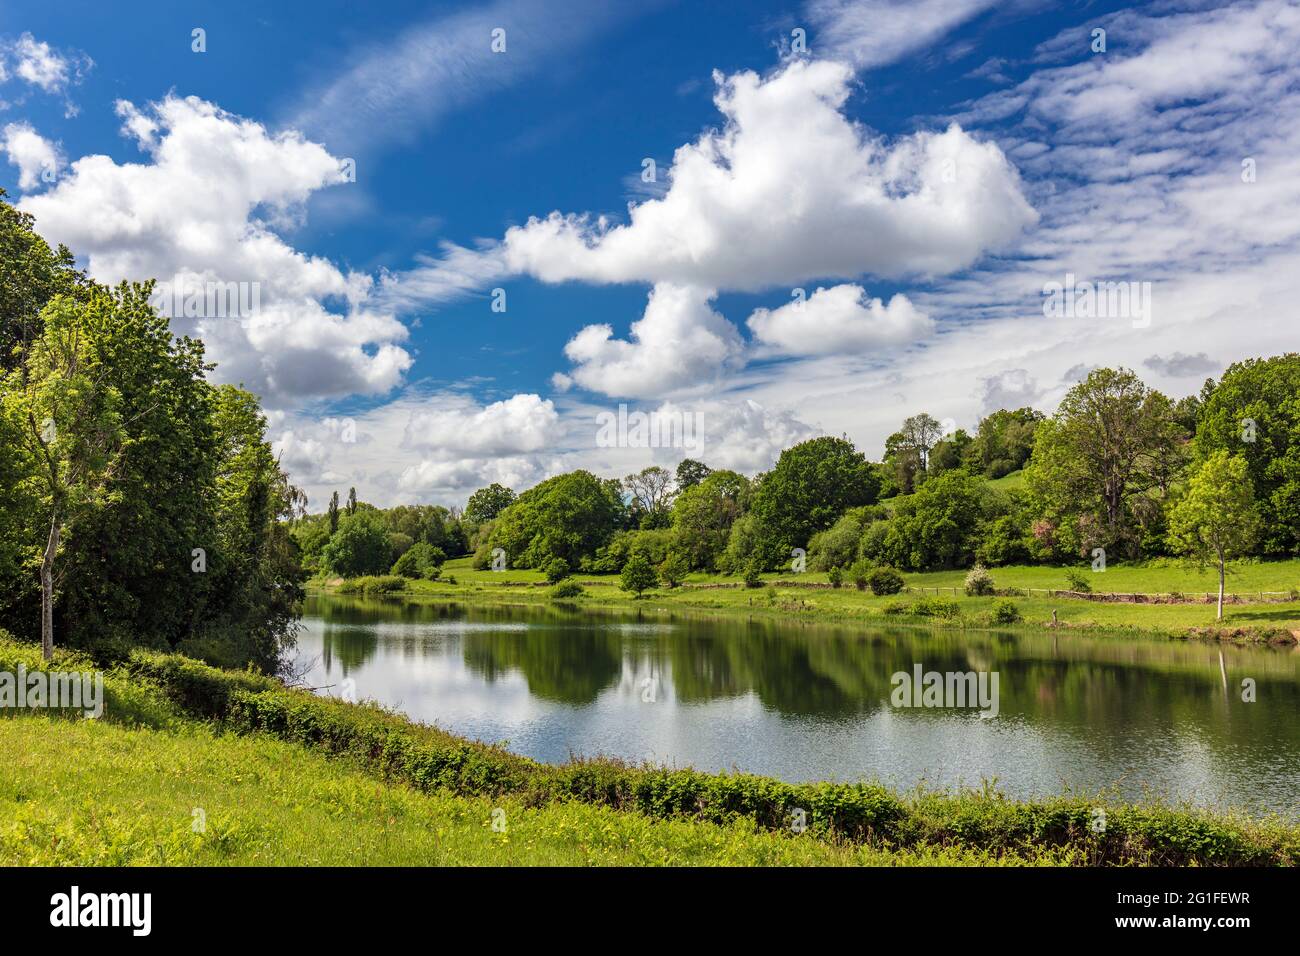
[[1005, 612], [567, 589], [860, 571], [896, 607], [835, 576], [754, 574], [885, 581], [637, 575], [418, 560], [838, 544], [557, 570], [1077, 581], [674, 570], [377, 584], [653, 544], [450, 579], [946, 608], [979, 583]]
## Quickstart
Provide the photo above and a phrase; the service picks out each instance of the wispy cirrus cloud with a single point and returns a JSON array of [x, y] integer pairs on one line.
[[873, 33], [391, 92]]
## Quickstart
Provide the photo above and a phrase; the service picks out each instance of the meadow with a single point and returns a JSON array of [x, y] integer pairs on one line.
[[1262, 616]]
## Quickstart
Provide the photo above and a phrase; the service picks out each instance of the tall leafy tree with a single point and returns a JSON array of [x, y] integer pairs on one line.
[[256, 574], [811, 485], [32, 275], [1215, 521], [690, 473], [68, 414], [1254, 413], [486, 503], [703, 514], [360, 547], [920, 432], [334, 512], [1102, 463], [652, 494], [569, 516], [1003, 442]]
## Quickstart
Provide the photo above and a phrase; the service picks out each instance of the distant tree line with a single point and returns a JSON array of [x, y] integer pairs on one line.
[[1120, 470]]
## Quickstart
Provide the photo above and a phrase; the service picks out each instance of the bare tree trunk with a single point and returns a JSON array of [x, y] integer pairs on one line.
[[47, 589], [1220, 614]]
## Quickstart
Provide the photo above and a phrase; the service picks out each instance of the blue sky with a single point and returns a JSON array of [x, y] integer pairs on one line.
[[931, 166]]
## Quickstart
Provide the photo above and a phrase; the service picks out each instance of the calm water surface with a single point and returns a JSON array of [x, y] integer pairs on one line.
[[1137, 718]]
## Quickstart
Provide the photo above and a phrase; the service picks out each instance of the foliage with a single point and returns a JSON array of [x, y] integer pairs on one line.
[[653, 545], [674, 569], [810, 487], [566, 590], [569, 516], [1104, 462], [979, 582], [487, 503], [1078, 581], [1006, 539], [837, 546], [374, 584], [419, 561], [704, 513], [1003, 443], [690, 473], [651, 491], [557, 571], [938, 527], [359, 547], [1005, 612], [884, 580], [1216, 519], [638, 575], [174, 478], [1254, 413], [835, 576], [942, 607]]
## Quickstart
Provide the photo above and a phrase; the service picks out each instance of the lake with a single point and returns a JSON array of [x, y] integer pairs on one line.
[[1136, 717]]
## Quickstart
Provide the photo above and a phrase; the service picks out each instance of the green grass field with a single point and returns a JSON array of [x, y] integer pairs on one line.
[[1009, 482], [787, 598], [1152, 577], [91, 793]]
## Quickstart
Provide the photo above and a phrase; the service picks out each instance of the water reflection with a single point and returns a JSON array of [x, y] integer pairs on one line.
[[804, 702]]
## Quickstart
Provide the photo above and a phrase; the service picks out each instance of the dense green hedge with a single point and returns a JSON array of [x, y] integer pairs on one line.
[[427, 758]]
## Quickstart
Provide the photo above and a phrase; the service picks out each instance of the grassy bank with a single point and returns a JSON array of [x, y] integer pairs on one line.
[[90, 793], [790, 596], [284, 776]]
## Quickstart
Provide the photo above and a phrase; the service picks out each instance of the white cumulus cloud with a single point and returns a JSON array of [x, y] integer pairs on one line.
[[679, 341], [458, 427], [209, 205], [33, 154], [788, 189], [838, 320]]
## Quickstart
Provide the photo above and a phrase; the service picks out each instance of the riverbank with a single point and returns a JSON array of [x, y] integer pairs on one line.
[[282, 776], [931, 600]]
